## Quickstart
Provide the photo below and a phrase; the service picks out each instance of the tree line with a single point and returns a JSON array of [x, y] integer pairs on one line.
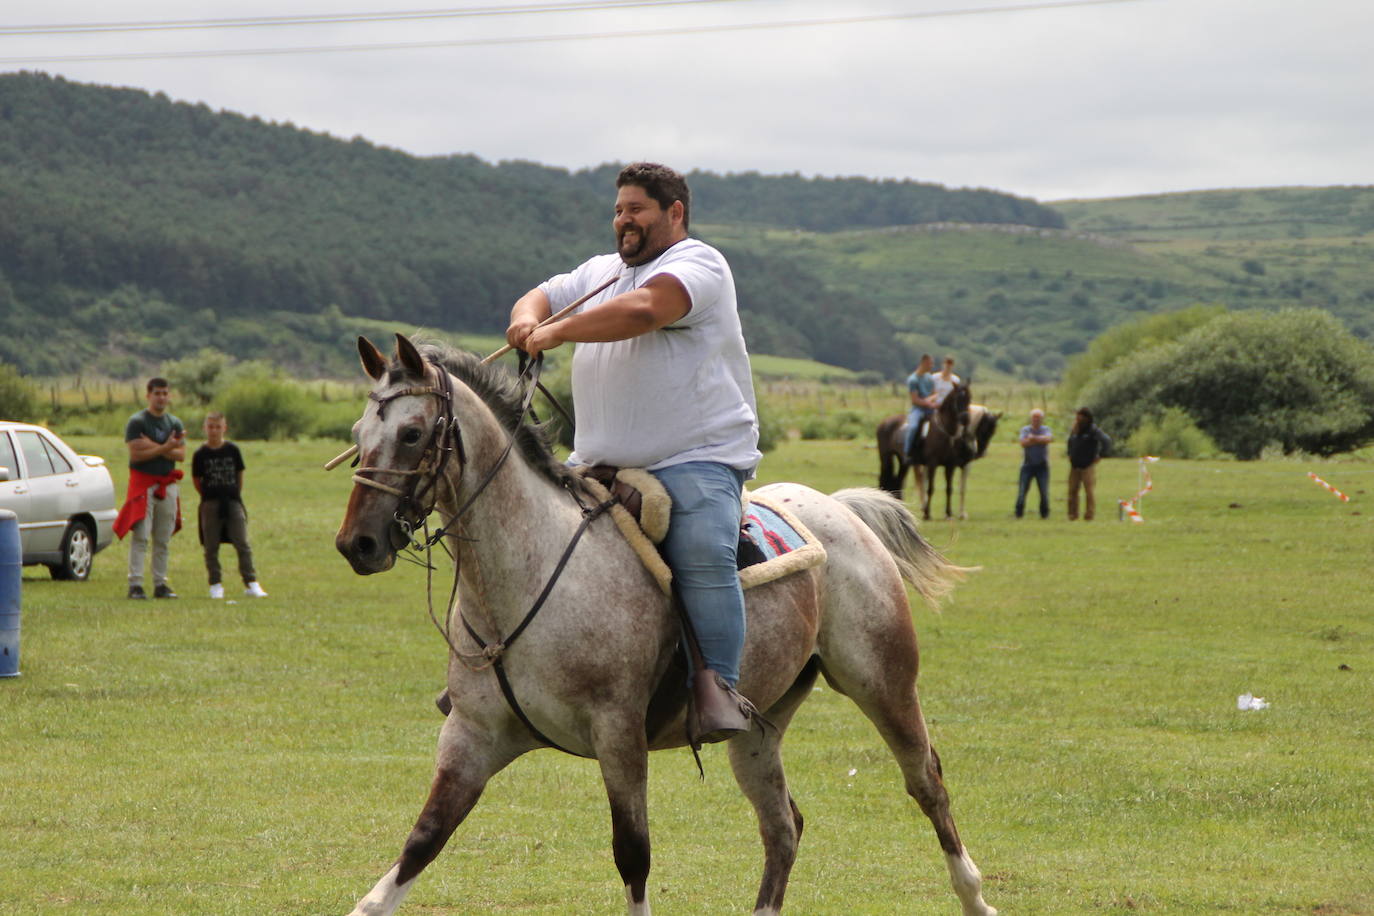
[[136, 228]]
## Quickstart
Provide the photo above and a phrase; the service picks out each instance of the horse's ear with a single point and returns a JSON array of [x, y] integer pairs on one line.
[[374, 363], [409, 356]]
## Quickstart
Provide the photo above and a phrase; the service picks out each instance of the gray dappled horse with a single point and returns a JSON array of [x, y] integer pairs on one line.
[[584, 673]]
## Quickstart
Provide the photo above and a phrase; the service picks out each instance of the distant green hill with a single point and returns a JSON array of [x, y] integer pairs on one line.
[[1019, 301], [134, 228], [1237, 215], [1266, 248]]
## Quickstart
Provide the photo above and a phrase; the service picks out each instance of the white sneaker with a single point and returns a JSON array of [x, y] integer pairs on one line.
[[217, 590], [254, 590]]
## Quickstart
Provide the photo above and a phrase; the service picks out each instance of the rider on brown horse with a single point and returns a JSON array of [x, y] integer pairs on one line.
[[921, 386]]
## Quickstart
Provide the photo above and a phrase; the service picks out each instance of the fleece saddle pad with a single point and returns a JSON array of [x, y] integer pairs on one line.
[[773, 542]]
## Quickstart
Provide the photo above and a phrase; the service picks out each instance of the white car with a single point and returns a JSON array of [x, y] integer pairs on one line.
[[65, 501]]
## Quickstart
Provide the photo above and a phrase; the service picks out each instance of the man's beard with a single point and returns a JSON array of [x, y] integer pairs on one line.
[[640, 251]]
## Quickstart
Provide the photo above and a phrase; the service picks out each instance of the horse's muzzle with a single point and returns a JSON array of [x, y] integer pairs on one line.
[[365, 553]]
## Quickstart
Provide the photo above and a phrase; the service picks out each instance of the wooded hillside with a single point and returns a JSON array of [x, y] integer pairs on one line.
[[134, 228]]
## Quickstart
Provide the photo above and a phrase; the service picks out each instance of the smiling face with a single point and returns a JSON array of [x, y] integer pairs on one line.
[[643, 228]]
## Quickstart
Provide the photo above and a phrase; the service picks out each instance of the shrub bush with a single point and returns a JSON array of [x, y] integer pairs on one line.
[[1172, 434], [839, 424], [1125, 340], [19, 400], [260, 403], [197, 379], [1297, 378], [334, 420]]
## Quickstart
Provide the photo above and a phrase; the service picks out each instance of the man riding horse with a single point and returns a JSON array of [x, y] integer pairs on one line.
[[921, 387], [928, 391], [661, 380]]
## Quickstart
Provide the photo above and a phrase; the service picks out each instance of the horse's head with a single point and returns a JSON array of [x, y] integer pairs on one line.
[[955, 409], [985, 426], [405, 437]]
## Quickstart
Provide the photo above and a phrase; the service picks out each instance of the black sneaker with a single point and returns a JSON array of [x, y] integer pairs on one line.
[[136, 591], [163, 591]]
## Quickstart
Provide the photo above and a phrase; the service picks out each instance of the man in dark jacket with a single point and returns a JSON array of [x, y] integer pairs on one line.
[[1087, 445]]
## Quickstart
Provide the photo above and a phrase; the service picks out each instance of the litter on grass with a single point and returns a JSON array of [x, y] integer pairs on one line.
[[1250, 701]]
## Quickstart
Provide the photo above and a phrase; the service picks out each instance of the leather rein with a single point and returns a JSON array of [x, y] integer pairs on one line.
[[419, 500]]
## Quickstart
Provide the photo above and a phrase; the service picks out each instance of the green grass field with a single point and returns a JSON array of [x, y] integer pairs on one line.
[[198, 757]]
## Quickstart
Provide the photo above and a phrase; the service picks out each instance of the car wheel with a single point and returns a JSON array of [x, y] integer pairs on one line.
[[78, 551]]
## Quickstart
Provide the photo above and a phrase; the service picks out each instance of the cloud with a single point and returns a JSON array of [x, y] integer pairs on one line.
[[1103, 100]]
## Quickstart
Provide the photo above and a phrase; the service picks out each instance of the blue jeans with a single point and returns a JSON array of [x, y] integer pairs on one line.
[[703, 538], [1041, 474], [914, 419]]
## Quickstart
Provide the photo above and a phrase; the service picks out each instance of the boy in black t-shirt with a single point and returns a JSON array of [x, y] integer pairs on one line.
[[217, 472]]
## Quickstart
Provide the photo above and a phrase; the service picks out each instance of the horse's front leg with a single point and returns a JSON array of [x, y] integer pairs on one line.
[[927, 490], [963, 489], [624, 761], [464, 765]]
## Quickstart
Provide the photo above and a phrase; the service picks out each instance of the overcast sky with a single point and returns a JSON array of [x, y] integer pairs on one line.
[[1051, 100]]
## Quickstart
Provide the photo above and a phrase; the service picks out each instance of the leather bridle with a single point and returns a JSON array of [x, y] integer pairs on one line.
[[418, 500], [961, 430]]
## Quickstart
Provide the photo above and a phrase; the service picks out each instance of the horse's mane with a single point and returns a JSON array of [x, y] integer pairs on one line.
[[502, 393]]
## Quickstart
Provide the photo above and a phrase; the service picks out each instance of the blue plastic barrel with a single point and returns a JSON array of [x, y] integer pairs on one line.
[[11, 565]]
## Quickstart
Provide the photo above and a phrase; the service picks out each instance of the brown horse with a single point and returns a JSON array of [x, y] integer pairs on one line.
[[893, 460], [443, 432]]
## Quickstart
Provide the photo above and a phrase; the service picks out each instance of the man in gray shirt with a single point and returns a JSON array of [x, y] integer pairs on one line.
[[1035, 463]]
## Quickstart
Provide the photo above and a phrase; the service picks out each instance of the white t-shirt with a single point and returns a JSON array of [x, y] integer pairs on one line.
[[681, 393], [943, 386]]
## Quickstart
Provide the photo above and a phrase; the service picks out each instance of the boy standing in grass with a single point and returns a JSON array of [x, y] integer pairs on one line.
[[217, 472]]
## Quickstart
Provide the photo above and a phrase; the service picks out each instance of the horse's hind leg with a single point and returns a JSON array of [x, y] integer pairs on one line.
[[889, 700], [460, 775], [905, 733], [757, 763]]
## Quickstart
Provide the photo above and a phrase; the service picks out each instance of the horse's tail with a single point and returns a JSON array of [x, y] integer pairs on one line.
[[928, 571], [889, 461]]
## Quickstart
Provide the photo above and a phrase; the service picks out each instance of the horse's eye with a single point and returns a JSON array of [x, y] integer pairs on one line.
[[411, 436]]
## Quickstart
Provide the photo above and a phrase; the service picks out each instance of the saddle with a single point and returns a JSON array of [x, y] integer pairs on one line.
[[773, 543]]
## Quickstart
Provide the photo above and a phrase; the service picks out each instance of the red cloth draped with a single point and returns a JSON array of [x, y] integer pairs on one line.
[[136, 499]]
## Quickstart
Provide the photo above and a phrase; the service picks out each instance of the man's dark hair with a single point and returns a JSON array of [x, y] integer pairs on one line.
[[158, 382], [660, 182]]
